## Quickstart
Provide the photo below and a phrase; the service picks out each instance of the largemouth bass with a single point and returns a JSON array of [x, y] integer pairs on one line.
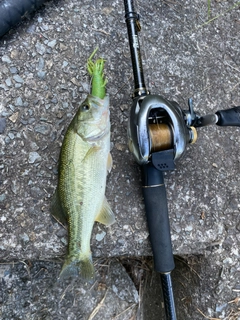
[[80, 199]]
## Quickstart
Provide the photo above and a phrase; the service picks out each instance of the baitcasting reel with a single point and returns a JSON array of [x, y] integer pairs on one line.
[[159, 130]]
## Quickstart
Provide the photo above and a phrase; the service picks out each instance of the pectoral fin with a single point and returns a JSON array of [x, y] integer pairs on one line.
[[105, 215], [91, 152], [109, 163], [57, 210]]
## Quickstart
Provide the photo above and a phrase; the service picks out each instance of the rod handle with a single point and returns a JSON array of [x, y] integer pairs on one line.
[[229, 117], [155, 199]]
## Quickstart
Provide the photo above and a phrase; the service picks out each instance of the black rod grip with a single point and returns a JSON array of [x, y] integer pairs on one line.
[[155, 199], [229, 117], [12, 11]]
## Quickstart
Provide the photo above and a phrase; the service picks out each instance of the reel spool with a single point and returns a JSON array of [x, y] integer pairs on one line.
[[161, 136]]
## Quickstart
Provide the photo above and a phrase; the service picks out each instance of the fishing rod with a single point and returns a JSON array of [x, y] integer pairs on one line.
[[159, 131]]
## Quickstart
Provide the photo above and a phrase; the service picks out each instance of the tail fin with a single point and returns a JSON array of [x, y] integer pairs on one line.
[[83, 267]]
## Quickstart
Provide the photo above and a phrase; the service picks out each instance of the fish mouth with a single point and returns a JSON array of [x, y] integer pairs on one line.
[[99, 102]]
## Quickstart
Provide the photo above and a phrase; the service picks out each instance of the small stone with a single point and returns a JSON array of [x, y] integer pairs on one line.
[[62, 47], [65, 105], [7, 140], [55, 170], [44, 27], [3, 218], [8, 82], [61, 232], [124, 107], [31, 120], [6, 59], [11, 135], [228, 261], [14, 187], [34, 146], [2, 125], [24, 237], [13, 70], [14, 54], [100, 236], [54, 100], [24, 121], [36, 192], [3, 86], [42, 128], [220, 308], [74, 81], [52, 43], [2, 197], [17, 78], [14, 117], [177, 228], [6, 114], [31, 29], [65, 63], [41, 74], [41, 63], [64, 241], [120, 146], [189, 228], [49, 64], [86, 86], [19, 102], [34, 157], [11, 107], [41, 49]]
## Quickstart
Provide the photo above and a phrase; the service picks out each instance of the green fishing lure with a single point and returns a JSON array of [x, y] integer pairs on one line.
[[99, 81]]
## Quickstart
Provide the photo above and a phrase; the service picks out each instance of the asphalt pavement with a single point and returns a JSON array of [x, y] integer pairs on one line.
[[188, 50]]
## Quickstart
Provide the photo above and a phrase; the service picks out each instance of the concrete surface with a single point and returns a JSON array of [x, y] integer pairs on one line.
[[43, 76]]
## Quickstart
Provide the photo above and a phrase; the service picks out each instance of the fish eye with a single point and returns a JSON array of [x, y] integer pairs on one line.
[[85, 107]]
